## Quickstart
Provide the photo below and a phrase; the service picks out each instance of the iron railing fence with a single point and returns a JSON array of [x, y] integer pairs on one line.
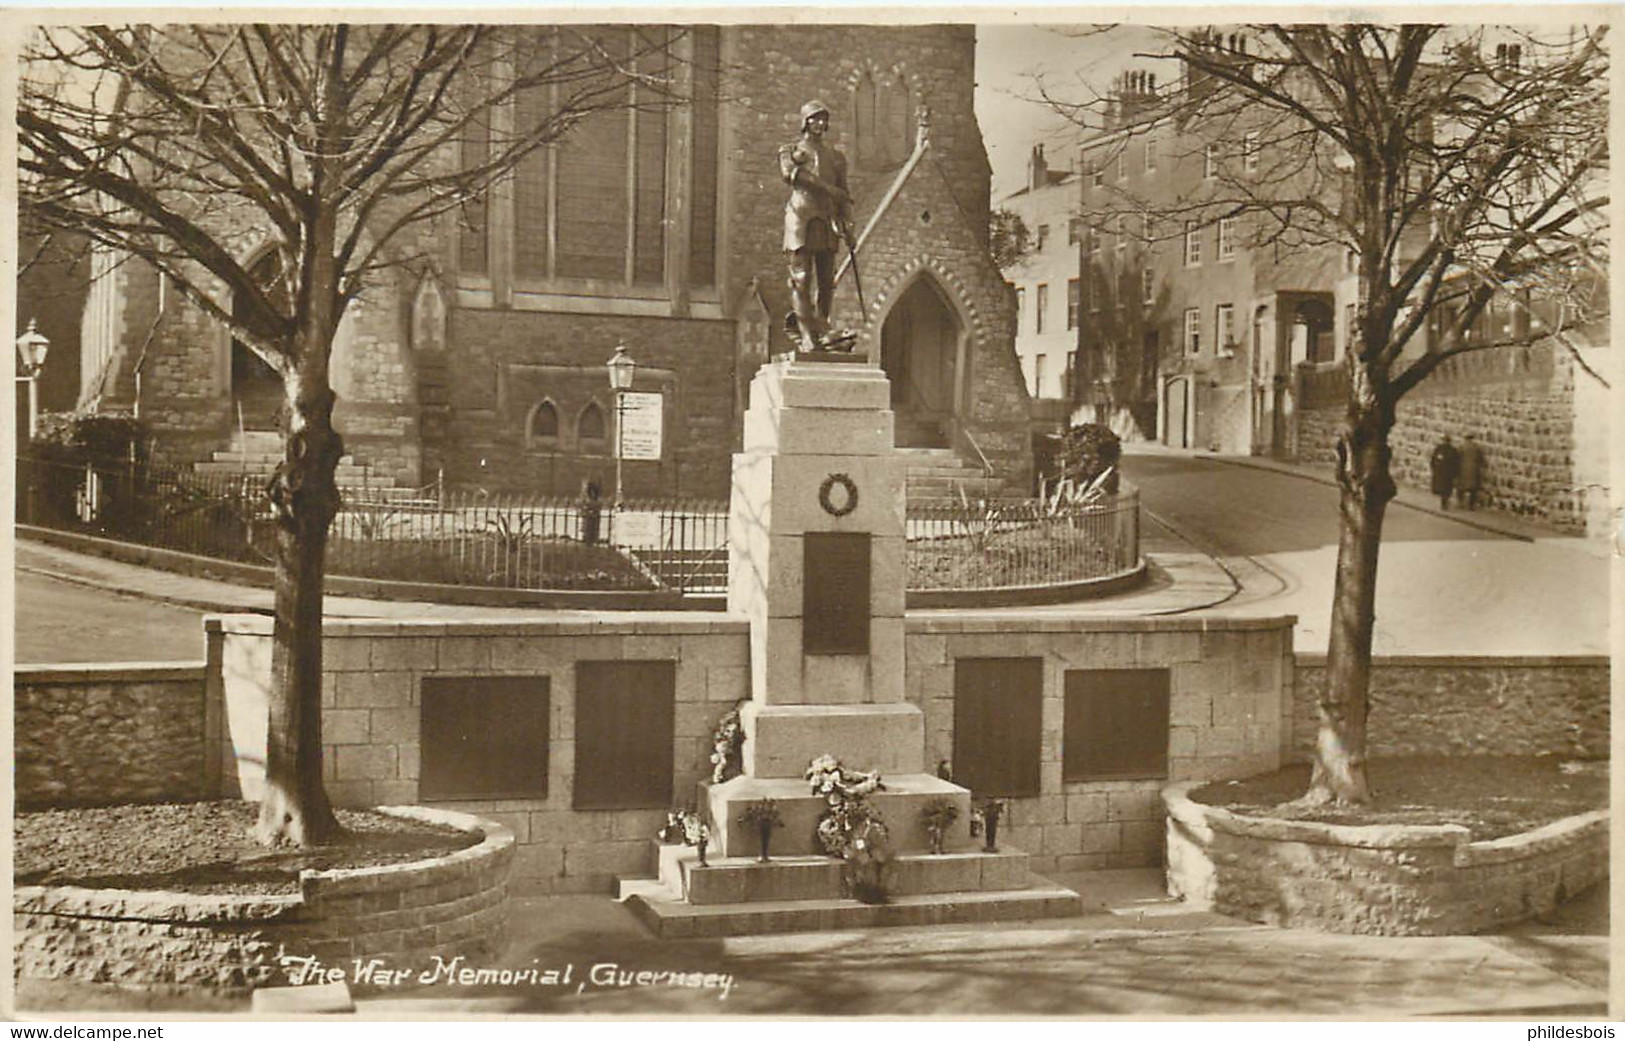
[[520, 541], [512, 541], [999, 543]]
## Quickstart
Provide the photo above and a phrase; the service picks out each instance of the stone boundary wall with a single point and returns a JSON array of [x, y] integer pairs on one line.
[[1379, 880], [1230, 691], [1520, 404], [95, 735], [401, 914], [1229, 685], [1480, 705]]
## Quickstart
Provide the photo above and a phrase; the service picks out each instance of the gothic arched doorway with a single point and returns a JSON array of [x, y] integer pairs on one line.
[[920, 346], [256, 389]]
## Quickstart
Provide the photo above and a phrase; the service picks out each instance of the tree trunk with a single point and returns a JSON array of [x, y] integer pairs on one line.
[[1366, 484], [294, 806]]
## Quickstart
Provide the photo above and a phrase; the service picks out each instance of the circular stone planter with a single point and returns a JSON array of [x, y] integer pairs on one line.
[[400, 914], [1387, 880]]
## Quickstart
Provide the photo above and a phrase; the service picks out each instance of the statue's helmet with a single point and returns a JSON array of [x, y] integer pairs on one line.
[[811, 109]]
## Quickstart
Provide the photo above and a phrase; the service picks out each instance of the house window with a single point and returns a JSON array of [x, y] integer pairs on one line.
[[1097, 291], [1043, 237], [1122, 232], [1021, 306], [1210, 162], [1148, 285], [1193, 244], [594, 209], [1099, 174], [1349, 331], [1193, 330], [1122, 167], [1074, 231], [1073, 293], [1227, 238], [1043, 306], [1150, 154], [1249, 152], [1038, 375], [620, 766], [483, 737], [1115, 724], [1224, 329], [998, 721]]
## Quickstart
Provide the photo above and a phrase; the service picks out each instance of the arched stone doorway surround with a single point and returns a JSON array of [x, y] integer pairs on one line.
[[924, 344]]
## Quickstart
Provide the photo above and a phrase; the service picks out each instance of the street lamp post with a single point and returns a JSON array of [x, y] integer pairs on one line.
[[31, 348], [621, 368]]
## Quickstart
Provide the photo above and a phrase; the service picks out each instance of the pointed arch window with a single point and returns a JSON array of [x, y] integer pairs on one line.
[[542, 430], [882, 121], [592, 432]]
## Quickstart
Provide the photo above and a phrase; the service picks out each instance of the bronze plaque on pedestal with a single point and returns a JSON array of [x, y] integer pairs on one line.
[[835, 593]]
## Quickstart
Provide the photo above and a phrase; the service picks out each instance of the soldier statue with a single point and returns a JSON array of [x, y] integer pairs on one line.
[[816, 220]]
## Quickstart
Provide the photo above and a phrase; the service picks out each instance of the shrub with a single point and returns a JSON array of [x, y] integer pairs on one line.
[[1089, 450]]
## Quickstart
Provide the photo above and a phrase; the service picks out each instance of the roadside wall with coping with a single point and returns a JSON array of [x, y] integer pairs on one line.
[[1479, 705], [94, 735], [1230, 690]]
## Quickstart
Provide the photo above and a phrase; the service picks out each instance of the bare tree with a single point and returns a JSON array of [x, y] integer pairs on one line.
[[173, 144], [1456, 167]]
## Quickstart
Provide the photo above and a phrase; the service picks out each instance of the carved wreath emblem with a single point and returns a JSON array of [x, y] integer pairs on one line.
[[849, 498]]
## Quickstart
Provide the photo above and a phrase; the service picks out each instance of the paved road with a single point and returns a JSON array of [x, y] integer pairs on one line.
[[1443, 587], [62, 622]]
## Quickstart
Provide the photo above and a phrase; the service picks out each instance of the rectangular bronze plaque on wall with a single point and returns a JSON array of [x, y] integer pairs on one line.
[[998, 724], [1116, 724], [835, 592], [626, 720], [483, 737]]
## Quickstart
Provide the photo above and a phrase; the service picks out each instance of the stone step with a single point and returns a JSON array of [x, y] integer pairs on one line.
[[257, 441], [733, 880], [673, 919], [899, 805]]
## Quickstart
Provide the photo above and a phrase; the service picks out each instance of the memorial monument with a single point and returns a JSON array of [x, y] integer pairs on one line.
[[817, 538]]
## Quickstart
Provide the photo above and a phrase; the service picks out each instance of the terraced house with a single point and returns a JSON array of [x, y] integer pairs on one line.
[[478, 357]]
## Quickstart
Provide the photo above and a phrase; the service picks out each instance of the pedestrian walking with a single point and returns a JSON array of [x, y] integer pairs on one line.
[[1470, 478], [591, 510], [1443, 467]]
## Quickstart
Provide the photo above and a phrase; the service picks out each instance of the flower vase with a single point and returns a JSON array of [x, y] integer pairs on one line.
[[764, 832]]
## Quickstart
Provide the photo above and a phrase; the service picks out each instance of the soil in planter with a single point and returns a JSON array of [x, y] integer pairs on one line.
[[206, 847], [1492, 796]]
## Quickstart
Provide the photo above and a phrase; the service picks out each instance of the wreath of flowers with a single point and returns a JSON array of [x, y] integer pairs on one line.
[[685, 826], [728, 746], [849, 822], [851, 495]]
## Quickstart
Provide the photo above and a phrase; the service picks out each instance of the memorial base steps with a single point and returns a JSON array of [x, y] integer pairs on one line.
[[741, 896]]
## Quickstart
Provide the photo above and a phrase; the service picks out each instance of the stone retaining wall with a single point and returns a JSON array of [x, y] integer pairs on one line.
[[1523, 404], [1481, 705], [400, 914], [1380, 880], [95, 735], [1230, 690]]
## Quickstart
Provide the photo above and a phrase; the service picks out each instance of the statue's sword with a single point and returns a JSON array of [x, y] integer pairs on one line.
[[857, 279]]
